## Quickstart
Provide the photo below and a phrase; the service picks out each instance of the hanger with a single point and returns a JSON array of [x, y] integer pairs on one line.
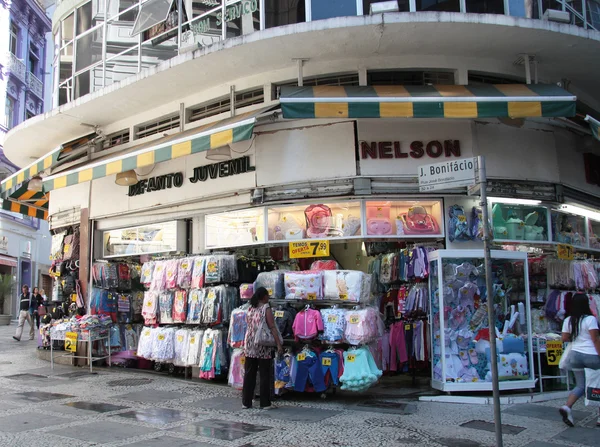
[[331, 349]]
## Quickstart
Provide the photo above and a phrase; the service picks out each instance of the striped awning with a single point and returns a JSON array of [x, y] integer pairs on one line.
[[594, 126], [28, 203], [428, 101], [200, 139], [14, 182]]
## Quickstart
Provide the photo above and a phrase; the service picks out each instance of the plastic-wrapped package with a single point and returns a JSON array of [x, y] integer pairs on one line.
[[211, 355], [163, 344], [137, 302], [149, 308], [220, 268], [229, 301], [171, 272], [131, 338], [325, 265], [195, 302], [334, 325], [237, 327], [237, 369], [165, 307], [195, 346], [211, 312], [184, 273], [246, 291], [198, 271], [347, 285], [363, 326], [273, 282], [305, 285], [182, 347], [124, 276], [158, 276], [180, 306], [144, 347]]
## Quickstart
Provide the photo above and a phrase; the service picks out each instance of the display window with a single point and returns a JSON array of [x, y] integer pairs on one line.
[[315, 221], [235, 228], [156, 238], [594, 234], [520, 222], [422, 218], [568, 229]]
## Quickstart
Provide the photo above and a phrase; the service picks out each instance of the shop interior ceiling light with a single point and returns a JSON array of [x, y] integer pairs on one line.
[[35, 184], [222, 153], [514, 201], [126, 178], [581, 211]]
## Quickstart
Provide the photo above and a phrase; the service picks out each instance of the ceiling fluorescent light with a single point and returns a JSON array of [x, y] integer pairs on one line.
[[514, 201], [581, 211]]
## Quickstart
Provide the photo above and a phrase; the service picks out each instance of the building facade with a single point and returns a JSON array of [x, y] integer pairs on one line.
[[25, 241]]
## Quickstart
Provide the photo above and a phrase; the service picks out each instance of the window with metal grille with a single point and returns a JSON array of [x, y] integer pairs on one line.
[[223, 104], [410, 77], [159, 125], [485, 78], [116, 139], [334, 79]]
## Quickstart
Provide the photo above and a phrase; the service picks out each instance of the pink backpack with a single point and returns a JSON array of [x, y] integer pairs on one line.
[[318, 220], [378, 218]]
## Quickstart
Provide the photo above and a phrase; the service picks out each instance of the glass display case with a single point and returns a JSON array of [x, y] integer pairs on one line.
[[315, 221], [235, 228], [594, 234], [520, 222], [568, 229], [459, 321], [147, 239], [409, 218]]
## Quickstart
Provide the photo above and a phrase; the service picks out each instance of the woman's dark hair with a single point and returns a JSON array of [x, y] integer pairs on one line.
[[259, 294], [580, 308]]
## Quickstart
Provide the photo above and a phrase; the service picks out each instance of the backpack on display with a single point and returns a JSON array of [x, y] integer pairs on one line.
[[378, 219], [318, 220], [417, 221], [458, 225]]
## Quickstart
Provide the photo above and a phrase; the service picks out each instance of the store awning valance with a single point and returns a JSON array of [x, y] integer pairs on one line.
[[200, 139], [428, 101], [26, 202], [594, 126]]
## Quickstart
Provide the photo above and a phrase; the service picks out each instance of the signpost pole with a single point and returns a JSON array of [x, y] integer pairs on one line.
[[482, 178]]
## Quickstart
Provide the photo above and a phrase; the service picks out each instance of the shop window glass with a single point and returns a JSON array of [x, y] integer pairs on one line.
[[88, 49], [403, 6], [332, 8], [517, 222], [594, 233], [568, 229], [314, 221], [438, 5], [404, 219], [235, 228], [284, 12], [68, 26], [84, 18], [242, 18], [485, 6], [205, 30], [13, 44], [158, 238], [152, 13]]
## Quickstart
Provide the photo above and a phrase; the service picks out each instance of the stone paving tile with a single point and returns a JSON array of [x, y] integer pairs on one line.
[[157, 416], [542, 412], [581, 436], [231, 404], [36, 396], [29, 421], [543, 444], [169, 441], [220, 429], [154, 396], [489, 426], [299, 414], [102, 432], [85, 408]]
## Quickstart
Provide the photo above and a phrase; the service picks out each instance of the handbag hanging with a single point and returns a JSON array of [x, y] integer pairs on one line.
[[564, 361], [264, 336], [592, 387], [41, 310]]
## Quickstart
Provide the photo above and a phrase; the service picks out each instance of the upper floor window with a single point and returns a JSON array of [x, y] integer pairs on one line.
[[9, 112], [14, 39], [34, 60]]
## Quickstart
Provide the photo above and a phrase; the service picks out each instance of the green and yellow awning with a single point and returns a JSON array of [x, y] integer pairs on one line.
[[200, 139], [26, 202], [594, 126], [428, 101], [14, 182]]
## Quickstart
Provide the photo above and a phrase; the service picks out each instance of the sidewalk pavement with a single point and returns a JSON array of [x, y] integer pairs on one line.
[[68, 406]]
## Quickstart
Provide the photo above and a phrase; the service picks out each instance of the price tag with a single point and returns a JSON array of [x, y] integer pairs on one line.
[[343, 296], [311, 296], [312, 249], [149, 304], [161, 337], [332, 319], [325, 361], [180, 338], [270, 291], [354, 319], [253, 264], [554, 351], [192, 340], [462, 218], [407, 327], [67, 248], [71, 341], [301, 357], [564, 251], [351, 358], [184, 265], [278, 314], [242, 360], [208, 341]]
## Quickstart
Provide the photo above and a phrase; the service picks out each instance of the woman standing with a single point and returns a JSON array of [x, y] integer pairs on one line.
[[38, 300], [258, 358], [581, 329]]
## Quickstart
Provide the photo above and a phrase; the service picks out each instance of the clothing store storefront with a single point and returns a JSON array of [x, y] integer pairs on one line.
[[327, 215]]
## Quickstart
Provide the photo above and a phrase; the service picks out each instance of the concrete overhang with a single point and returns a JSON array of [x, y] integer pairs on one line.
[[566, 51]]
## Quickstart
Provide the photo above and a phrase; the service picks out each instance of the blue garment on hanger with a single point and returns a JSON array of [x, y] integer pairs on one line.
[[309, 368]]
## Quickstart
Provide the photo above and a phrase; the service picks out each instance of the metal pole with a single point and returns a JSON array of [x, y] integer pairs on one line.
[[487, 242], [179, 22]]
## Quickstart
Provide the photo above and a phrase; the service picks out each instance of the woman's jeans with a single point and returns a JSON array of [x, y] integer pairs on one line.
[[577, 362]]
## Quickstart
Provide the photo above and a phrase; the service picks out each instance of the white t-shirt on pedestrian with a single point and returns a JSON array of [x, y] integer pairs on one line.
[[583, 343]]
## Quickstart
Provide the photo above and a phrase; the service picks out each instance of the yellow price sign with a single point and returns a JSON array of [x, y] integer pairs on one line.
[[325, 361], [351, 358], [301, 357], [565, 251], [309, 249], [71, 341], [354, 319], [242, 360], [192, 340], [311, 296], [278, 314], [332, 319], [554, 350], [343, 296]]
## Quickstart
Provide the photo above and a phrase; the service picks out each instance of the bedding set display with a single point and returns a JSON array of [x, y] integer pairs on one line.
[[461, 330]]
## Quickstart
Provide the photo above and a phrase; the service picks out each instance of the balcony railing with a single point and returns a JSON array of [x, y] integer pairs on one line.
[[16, 67], [109, 53], [35, 85]]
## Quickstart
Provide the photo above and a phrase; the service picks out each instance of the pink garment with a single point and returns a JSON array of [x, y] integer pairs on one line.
[[398, 352], [307, 324], [385, 352]]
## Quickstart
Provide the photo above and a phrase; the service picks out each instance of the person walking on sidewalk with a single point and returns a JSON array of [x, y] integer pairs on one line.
[[26, 308], [581, 329]]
